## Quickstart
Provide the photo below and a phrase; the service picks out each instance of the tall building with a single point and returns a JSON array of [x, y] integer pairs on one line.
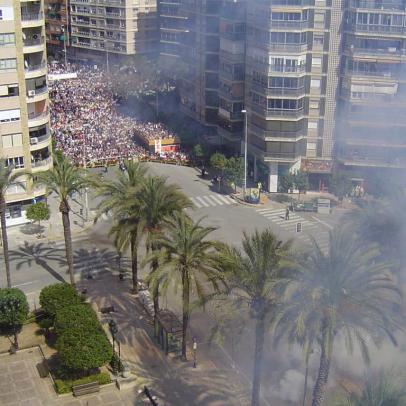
[[24, 113], [373, 89], [56, 24], [113, 28]]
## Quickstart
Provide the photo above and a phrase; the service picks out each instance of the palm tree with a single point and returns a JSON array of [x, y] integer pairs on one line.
[[120, 200], [7, 178], [158, 202], [258, 276], [384, 390], [346, 290], [187, 259], [64, 179]]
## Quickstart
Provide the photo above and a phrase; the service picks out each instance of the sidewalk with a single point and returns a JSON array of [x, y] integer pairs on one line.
[[174, 382], [52, 229]]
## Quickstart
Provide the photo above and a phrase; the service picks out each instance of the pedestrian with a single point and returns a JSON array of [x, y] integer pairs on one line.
[[287, 212]]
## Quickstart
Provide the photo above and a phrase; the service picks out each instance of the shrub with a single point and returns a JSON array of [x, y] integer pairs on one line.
[[83, 350], [79, 316], [65, 386], [58, 296], [13, 307], [116, 363]]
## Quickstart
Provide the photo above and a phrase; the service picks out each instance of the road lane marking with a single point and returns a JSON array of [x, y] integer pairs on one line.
[[218, 201], [225, 200], [25, 284], [209, 200], [197, 204], [202, 201], [323, 222]]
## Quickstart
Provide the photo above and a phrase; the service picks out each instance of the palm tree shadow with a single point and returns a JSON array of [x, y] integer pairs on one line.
[[40, 254]]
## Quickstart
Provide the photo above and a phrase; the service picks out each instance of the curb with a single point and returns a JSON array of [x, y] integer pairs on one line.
[[242, 202]]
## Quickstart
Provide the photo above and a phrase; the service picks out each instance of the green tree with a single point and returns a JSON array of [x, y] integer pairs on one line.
[[64, 179], [218, 162], [234, 171], [158, 201], [258, 277], [82, 350], [7, 178], [13, 309], [38, 212], [340, 185], [54, 297], [383, 390], [286, 182], [186, 259], [198, 153], [301, 181], [119, 198], [79, 316], [346, 290]]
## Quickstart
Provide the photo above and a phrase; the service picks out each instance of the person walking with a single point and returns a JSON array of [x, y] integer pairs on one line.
[[287, 212]]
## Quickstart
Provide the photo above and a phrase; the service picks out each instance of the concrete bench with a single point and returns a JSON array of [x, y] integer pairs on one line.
[[86, 388], [42, 369]]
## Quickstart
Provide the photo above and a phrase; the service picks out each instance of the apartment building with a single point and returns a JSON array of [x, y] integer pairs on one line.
[[113, 28], [372, 116], [56, 24], [24, 114]]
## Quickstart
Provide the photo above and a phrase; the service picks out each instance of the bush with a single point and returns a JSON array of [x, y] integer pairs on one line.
[[116, 363], [65, 386], [58, 296], [79, 316], [13, 307], [83, 350]]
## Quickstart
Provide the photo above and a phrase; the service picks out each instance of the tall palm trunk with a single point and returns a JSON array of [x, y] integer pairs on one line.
[[259, 345], [155, 294], [134, 261], [319, 390], [64, 209], [186, 310], [5, 239]]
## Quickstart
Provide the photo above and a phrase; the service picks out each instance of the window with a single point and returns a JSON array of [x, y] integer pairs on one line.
[[17, 162], [314, 104], [9, 90], [9, 115], [8, 64], [316, 62], [7, 39], [315, 83], [6, 14], [12, 140], [312, 125], [15, 188], [318, 40]]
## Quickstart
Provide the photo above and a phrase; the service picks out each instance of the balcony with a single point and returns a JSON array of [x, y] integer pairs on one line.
[[278, 113], [269, 135], [269, 156], [235, 77], [37, 119], [116, 3], [229, 96], [35, 70], [288, 25], [269, 69], [390, 52], [33, 45], [230, 115], [40, 142], [372, 161], [274, 91], [229, 56], [233, 36], [38, 164], [377, 5], [378, 29], [38, 94], [33, 19], [376, 74]]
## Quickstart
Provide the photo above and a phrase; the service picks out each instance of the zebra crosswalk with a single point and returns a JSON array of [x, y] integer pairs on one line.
[[307, 228], [211, 200]]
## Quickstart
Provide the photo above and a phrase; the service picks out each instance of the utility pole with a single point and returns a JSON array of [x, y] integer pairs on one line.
[[245, 149]]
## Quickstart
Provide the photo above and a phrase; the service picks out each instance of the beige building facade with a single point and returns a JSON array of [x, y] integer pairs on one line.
[[24, 105]]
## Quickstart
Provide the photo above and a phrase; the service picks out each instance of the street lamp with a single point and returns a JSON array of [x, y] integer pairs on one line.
[[245, 149], [64, 46], [194, 352]]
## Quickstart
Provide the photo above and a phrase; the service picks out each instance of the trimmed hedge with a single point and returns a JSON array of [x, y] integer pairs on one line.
[[58, 296], [80, 316], [65, 386]]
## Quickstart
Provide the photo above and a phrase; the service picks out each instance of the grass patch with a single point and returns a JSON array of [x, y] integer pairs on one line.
[[65, 385]]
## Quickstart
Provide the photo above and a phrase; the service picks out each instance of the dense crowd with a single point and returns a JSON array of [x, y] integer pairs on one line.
[[86, 124]]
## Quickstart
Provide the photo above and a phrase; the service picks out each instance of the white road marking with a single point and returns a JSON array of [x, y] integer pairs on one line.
[[197, 204], [225, 199], [25, 284], [218, 201], [323, 222], [210, 202], [202, 201]]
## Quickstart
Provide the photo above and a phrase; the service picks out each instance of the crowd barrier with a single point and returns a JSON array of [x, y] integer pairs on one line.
[[114, 162]]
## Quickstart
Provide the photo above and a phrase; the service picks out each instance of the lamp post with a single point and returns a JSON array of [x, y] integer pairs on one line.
[[113, 330], [245, 149], [64, 46], [194, 352], [84, 167]]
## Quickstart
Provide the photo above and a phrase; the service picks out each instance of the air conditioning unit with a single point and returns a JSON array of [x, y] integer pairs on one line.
[[33, 140], [31, 93], [392, 49]]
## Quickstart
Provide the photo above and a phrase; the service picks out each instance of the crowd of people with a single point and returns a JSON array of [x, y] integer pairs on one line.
[[87, 126]]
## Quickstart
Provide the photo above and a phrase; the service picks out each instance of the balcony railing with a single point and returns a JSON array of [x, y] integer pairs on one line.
[[376, 52], [378, 5], [32, 68], [32, 16], [37, 91], [33, 42], [277, 112], [265, 67], [42, 138], [277, 91], [383, 29], [381, 74], [277, 134], [38, 115], [229, 56], [37, 163]]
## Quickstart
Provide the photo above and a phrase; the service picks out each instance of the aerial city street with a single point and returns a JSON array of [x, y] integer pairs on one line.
[[201, 203]]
